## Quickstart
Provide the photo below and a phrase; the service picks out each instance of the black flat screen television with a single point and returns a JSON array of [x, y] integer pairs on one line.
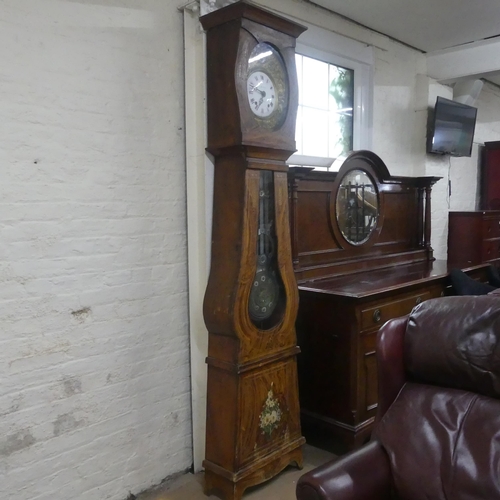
[[451, 129]]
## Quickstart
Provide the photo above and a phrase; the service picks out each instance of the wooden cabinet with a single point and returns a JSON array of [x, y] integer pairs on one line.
[[490, 176], [473, 238], [337, 327], [362, 255], [349, 287]]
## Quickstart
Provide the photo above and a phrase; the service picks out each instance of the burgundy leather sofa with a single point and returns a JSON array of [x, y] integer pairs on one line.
[[437, 430]]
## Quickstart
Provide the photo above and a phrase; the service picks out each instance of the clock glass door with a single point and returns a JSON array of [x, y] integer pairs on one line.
[[267, 297]]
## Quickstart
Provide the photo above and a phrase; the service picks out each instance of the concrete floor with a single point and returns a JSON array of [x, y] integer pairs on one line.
[[282, 487]]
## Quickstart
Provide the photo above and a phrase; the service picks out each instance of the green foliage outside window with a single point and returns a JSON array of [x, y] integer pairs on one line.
[[342, 91]]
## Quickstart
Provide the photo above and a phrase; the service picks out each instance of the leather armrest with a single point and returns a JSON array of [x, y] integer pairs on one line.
[[390, 363], [359, 475]]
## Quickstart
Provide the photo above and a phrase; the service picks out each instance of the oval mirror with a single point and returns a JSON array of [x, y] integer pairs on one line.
[[357, 206]]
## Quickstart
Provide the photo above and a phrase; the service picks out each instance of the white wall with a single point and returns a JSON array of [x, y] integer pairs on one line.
[[402, 98], [488, 104], [463, 174], [397, 127], [94, 375]]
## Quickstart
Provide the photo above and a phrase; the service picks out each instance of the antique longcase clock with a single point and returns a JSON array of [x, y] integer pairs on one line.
[[251, 301]]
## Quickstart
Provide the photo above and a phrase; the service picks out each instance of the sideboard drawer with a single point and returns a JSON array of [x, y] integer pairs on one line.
[[490, 250], [378, 315], [491, 227], [473, 238]]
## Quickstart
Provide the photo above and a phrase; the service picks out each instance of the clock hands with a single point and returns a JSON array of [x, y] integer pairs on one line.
[[262, 95], [261, 92]]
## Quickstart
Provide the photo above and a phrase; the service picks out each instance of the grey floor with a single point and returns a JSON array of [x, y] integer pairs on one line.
[[282, 487]]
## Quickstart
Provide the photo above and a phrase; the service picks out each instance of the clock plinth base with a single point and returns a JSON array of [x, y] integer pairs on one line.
[[228, 485]]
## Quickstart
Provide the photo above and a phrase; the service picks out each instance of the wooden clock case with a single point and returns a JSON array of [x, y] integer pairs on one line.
[[232, 33], [253, 417]]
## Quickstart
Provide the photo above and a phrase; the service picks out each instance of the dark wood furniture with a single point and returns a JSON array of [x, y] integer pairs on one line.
[[348, 290], [437, 427], [490, 176], [253, 418], [473, 238]]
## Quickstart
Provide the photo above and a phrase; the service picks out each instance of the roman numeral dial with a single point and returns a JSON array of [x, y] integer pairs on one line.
[[261, 94]]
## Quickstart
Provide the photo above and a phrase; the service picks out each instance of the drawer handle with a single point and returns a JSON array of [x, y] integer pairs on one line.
[[418, 301], [377, 315]]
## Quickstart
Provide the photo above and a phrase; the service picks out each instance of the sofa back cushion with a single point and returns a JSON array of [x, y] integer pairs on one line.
[[442, 444], [455, 342]]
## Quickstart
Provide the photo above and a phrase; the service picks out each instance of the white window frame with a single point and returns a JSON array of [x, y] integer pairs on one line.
[[330, 47]]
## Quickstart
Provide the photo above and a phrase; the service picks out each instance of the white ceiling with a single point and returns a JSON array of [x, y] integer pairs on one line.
[[433, 26]]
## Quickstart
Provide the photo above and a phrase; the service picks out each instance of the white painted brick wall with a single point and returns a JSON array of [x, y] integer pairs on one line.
[[463, 173], [402, 95], [395, 123], [94, 376]]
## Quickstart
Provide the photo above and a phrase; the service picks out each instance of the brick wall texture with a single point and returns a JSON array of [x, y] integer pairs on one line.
[[94, 361]]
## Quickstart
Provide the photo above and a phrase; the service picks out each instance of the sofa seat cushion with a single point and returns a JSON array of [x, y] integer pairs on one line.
[[447, 442]]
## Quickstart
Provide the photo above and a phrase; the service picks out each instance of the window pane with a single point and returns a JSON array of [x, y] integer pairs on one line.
[[341, 105], [315, 83], [298, 131], [314, 132], [324, 125], [340, 134], [298, 63]]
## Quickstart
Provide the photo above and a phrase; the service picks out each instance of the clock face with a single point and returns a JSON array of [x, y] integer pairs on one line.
[[261, 94], [267, 86]]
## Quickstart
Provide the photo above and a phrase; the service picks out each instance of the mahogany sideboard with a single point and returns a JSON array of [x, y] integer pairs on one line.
[[362, 255]]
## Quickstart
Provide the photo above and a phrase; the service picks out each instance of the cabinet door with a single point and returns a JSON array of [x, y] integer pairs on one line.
[[465, 232], [490, 226], [368, 381], [490, 250], [490, 173]]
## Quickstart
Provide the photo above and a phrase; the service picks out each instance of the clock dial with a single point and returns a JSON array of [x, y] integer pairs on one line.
[[267, 86], [261, 94]]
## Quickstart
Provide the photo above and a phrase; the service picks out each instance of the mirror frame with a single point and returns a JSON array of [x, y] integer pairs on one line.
[[365, 230], [378, 173]]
